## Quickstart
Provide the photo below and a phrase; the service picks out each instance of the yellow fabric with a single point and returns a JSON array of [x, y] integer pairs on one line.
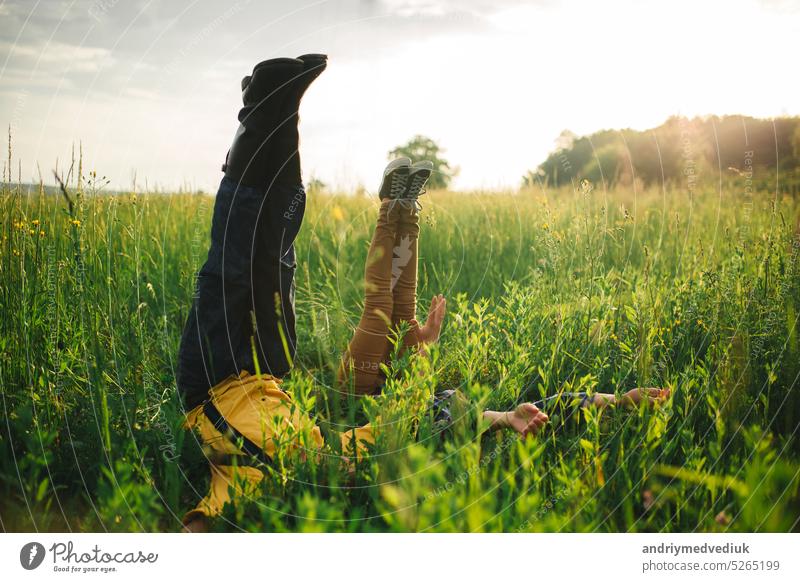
[[265, 414]]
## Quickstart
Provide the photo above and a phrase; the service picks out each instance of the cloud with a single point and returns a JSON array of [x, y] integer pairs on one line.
[[57, 56], [440, 7], [139, 94], [781, 6]]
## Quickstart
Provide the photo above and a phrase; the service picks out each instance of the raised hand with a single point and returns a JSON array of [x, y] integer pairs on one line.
[[429, 333]]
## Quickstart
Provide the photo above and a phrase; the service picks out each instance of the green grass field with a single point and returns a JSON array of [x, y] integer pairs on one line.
[[548, 291]]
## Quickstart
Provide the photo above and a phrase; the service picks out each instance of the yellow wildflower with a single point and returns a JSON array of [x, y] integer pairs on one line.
[[337, 213]]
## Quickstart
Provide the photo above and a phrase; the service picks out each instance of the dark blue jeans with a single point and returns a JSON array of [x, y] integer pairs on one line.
[[244, 293]]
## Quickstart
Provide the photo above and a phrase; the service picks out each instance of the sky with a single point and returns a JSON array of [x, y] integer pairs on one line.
[[151, 88]]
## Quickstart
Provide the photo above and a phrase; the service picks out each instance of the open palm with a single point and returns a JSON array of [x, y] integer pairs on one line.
[[429, 333]]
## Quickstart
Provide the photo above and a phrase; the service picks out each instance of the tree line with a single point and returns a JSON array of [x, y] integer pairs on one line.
[[680, 150]]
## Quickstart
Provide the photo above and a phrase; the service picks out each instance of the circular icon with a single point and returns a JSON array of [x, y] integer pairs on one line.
[[31, 555]]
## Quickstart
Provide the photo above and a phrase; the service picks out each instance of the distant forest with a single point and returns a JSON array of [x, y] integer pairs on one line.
[[687, 151]]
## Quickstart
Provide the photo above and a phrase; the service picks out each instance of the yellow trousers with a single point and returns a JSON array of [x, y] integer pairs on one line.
[[258, 409]]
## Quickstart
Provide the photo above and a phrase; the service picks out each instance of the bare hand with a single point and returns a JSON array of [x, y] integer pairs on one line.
[[429, 333], [526, 419]]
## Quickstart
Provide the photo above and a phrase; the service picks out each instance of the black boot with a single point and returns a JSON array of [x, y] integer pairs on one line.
[[286, 157], [264, 95]]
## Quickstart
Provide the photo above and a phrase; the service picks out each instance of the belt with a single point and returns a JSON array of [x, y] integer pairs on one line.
[[254, 455]]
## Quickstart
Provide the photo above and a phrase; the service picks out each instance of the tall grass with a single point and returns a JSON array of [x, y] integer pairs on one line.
[[549, 291]]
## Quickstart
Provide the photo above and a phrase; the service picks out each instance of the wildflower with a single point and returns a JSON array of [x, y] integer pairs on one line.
[[35, 222], [545, 226], [337, 213], [31, 231], [75, 222], [41, 233], [430, 219]]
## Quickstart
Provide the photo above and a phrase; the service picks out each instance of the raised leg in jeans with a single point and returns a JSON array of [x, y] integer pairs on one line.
[[273, 277], [216, 334], [248, 277]]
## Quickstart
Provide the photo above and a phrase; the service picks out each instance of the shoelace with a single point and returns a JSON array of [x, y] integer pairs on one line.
[[411, 204], [398, 186], [415, 189]]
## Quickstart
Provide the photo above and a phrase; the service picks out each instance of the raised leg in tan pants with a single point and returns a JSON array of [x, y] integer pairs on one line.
[[390, 297]]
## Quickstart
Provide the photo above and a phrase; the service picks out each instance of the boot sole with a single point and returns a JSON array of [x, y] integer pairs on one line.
[[310, 61], [278, 62], [313, 65]]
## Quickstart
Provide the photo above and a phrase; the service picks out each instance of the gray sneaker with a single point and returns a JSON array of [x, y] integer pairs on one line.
[[395, 179], [417, 176]]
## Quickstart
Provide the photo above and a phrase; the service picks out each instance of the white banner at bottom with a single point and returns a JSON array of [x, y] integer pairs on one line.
[[349, 557]]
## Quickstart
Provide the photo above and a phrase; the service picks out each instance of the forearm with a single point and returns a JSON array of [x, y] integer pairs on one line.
[[497, 420], [601, 400], [598, 399]]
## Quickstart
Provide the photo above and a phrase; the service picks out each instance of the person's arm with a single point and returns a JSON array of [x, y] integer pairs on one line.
[[497, 420], [631, 398], [601, 400]]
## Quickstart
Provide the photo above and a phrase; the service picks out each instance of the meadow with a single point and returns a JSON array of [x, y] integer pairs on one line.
[[549, 290]]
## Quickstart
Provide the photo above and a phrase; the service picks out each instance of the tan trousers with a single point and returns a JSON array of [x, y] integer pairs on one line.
[[390, 297]]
